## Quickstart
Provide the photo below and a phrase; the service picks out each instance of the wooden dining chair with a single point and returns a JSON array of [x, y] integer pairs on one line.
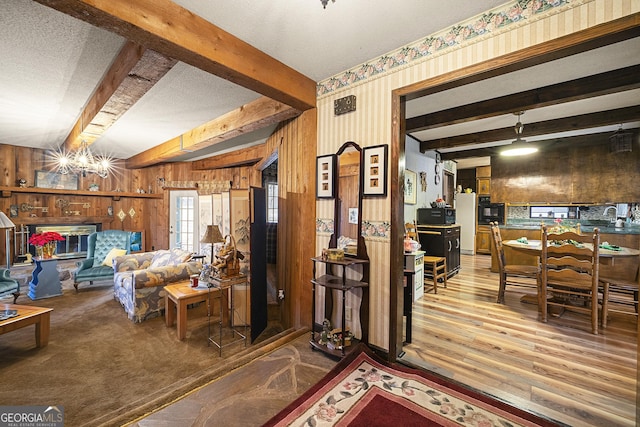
[[410, 231], [570, 273], [619, 292], [512, 274]]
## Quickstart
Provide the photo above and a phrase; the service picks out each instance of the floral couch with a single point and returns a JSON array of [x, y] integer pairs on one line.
[[140, 278]]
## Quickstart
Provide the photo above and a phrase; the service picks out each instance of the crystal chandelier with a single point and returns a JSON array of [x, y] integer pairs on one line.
[[83, 162], [324, 3]]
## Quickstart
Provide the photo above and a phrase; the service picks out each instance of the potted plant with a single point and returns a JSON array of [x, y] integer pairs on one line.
[[45, 243]]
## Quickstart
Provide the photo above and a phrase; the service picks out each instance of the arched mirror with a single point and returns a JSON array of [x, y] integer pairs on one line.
[[348, 202]]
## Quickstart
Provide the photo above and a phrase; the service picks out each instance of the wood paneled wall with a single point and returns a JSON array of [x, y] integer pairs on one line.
[[150, 215], [575, 174], [295, 144]]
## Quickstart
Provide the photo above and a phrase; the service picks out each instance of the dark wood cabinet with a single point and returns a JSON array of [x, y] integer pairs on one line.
[[442, 240]]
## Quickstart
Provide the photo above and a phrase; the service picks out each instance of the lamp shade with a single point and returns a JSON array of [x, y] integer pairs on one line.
[[212, 235], [5, 222]]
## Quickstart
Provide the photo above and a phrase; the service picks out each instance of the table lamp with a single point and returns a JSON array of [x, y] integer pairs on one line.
[[212, 235], [6, 223]]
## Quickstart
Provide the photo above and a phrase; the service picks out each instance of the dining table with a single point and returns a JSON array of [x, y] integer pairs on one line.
[[607, 256]]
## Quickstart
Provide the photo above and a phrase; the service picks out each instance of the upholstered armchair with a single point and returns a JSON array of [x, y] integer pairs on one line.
[[98, 264], [8, 285]]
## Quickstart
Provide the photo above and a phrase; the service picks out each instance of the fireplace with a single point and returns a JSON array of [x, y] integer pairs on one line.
[[75, 243]]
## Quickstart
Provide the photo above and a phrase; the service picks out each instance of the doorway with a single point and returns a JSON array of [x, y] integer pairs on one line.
[[184, 227], [499, 67]]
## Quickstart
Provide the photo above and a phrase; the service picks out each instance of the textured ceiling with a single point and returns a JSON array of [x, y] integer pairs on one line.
[[52, 64]]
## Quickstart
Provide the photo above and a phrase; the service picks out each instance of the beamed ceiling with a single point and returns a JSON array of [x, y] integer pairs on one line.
[[109, 73]]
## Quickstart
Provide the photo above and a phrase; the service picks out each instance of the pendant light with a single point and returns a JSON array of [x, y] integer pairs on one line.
[[519, 147]]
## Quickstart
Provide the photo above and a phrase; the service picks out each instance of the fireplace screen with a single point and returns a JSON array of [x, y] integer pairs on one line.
[[75, 243]]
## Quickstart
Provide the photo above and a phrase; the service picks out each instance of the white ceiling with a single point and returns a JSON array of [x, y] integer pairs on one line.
[[52, 63]]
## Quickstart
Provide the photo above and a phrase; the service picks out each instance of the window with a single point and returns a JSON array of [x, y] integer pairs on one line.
[[185, 223], [554, 212], [272, 201]]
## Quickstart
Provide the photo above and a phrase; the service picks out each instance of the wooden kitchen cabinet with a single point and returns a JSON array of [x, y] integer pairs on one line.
[[483, 172], [483, 186], [483, 239]]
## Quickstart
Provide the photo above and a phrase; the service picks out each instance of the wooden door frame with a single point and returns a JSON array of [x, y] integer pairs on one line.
[[580, 41]]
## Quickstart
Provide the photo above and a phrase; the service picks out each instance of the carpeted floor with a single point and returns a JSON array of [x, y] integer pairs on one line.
[[101, 367]]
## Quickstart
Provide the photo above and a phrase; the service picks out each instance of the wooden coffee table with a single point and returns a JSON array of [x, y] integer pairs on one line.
[[176, 299], [28, 315]]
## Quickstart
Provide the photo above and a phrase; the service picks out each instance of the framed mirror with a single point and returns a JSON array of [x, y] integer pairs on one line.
[[348, 201]]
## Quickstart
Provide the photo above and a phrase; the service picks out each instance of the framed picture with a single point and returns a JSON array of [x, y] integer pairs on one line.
[[48, 179], [325, 176], [374, 169], [137, 241], [410, 189]]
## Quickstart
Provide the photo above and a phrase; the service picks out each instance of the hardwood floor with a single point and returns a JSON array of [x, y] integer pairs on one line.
[[558, 369]]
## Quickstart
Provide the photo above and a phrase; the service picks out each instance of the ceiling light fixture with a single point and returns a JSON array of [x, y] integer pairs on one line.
[[519, 147], [324, 3], [82, 162]]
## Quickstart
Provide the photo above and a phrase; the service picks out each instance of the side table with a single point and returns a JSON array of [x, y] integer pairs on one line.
[[225, 285], [178, 297], [45, 279]]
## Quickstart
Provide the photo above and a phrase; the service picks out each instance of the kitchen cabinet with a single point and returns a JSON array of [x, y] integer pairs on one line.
[[483, 172], [442, 240], [483, 239], [483, 186]]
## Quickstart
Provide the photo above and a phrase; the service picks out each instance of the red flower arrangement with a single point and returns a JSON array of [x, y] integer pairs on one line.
[[41, 239]]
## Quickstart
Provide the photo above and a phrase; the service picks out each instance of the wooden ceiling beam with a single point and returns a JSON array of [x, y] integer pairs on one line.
[[573, 90], [244, 157], [544, 145], [255, 115], [127, 58], [565, 124], [172, 30]]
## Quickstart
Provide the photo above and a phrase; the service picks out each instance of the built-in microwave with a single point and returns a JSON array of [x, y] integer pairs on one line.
[[490, 212], [436, 216]]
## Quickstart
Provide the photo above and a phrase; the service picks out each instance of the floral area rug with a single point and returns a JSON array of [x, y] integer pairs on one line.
[[363, 390]]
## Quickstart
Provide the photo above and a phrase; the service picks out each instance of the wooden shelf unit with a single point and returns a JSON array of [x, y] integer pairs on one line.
[[341, 283]]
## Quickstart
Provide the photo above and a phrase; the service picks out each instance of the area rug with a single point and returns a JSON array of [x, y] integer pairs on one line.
[[363, 390]]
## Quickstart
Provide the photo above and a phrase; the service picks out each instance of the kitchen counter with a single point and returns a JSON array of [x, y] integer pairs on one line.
[[584, 227]]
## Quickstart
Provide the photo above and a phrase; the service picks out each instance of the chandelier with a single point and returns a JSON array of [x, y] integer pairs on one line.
[[324, 3], [519, 147], [82, 162]]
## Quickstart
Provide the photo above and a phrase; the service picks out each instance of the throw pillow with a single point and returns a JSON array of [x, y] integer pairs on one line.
[[108, 260]]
